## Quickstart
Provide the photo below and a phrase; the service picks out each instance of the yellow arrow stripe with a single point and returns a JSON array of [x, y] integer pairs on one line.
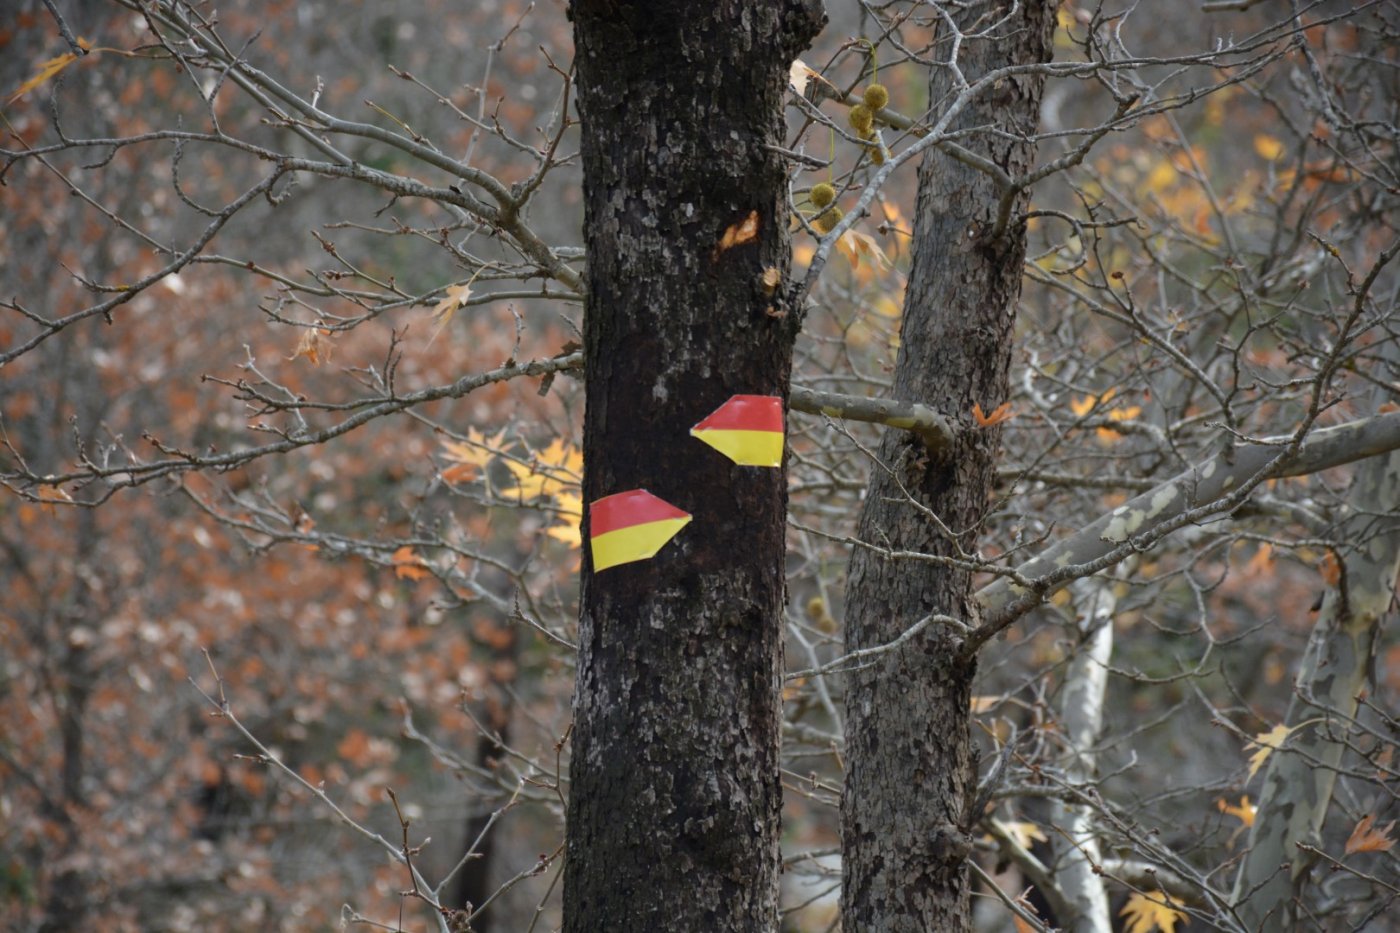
[[635, 542], [746, 448]]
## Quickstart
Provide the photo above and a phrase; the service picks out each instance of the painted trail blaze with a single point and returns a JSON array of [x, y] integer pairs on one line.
[[747, 429], [630, 526]]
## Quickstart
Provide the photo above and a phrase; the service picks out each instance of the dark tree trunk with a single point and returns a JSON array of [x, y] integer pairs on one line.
[[674, 789], [909, 755]]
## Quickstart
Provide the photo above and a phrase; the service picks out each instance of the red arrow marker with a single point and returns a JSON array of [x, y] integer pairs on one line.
[[631, 526], [747, 429]]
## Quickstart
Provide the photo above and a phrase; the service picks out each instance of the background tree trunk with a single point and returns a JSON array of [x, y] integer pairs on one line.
[[1334, 670], [1075, 838], [909, 756], [675, 795]]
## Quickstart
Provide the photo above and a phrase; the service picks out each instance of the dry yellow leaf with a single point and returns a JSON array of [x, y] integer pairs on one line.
[[854, 245], [1267, 146], [984, 704], [1024, 833], [47, 70], [470, 456], [1083, 406], [548, 472], [455, 297], [1109, 435], [570, 507], [1243, 811], [1147, 913], [1263, 745]]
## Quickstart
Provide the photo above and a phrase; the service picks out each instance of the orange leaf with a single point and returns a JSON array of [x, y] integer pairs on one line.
[[1331, 569], [1367, 838], [354, 747], [1262, 562], [53, 494], [1243, 811], [315, 345], [1086, 404], [1002, 413], [47, 70], [408, 565], [745, 231]]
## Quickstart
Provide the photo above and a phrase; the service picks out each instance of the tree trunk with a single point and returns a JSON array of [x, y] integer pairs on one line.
[[1075, 838], [674, 786], [1298, 782], [908, 749]]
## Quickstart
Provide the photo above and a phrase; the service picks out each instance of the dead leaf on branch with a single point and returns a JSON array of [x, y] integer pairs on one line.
[[455, 298], [798, 76], [1024, 833], [470, 456], [1264, 744], [1001, 413], [315, 344], [854, 245], [1366, 837], [801, 73], [1243, 811], [1147, 913], [47, 70], [408, 565], [1331, 569]]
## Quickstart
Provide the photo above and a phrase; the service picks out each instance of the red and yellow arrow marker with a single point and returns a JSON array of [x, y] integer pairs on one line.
[[747, 429], [630, 526]]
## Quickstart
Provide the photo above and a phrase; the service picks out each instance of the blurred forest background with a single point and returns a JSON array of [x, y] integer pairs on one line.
[[389, 605]]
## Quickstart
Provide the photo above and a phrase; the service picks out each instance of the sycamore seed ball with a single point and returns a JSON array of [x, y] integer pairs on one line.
[[862, 118], [828, 221], [822, 194], [876, 97]]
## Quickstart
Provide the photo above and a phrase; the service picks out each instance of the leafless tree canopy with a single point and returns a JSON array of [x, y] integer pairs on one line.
[[1091, 321]]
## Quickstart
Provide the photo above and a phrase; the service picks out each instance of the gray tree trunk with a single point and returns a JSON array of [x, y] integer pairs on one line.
[[1075, 836], [674, 794], [909, 755], [1298, 781]]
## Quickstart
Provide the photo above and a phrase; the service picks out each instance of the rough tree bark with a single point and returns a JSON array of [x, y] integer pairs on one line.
[[674, 795], [908, 748]]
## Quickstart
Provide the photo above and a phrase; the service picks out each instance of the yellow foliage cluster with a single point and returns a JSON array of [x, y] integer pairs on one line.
[[1106, 435], [551, 477]]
